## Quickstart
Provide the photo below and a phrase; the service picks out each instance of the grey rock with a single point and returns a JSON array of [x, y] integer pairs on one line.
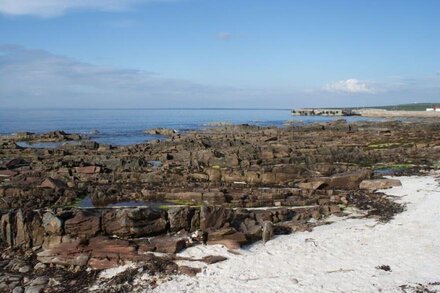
[[43, 280], [18, 289], [267, 231], [52, 224], [25, 269], [35, 289], [40, 266]]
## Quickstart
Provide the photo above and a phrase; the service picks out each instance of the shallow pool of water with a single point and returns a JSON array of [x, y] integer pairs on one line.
[[45, 145], [87, 202]]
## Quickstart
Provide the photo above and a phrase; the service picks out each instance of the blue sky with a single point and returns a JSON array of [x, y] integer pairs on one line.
[[224, 53]]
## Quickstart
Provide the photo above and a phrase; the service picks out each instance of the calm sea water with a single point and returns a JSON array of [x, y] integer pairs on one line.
[[126, 126]]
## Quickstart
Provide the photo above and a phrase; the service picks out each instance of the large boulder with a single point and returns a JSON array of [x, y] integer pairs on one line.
[[251, 229], [64, 253], [213, 218], [379, 184], [180, 218], [137, 222], [84, 224], [228, 237], [52, 224], [168, 244], [22, 236], [98, 253], [6, 226], [107, 252], [348, 181], [311, 186], [36, 229]]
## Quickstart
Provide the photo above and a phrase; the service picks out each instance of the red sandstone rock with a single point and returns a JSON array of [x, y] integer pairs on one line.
[[84, 225], [211, 259], [88, 170], [232, 237], [189, 271], [311, 185], [345, 180], [379, 184], [136, 222], [53, 184], [213, 217], [103, 263], [7, 173], [168, 244]]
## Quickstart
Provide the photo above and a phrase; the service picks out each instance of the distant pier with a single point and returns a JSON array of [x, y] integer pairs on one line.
[[322, 112]]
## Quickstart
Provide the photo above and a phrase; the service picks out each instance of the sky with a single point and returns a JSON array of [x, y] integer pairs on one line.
[[218, 53]]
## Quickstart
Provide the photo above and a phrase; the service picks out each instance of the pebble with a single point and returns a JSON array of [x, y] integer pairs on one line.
[[43, 280], [25, 269], [18, 290], [40, 266], [34, 289]]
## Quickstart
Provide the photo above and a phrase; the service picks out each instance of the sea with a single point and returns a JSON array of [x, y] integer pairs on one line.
[[126, 126]]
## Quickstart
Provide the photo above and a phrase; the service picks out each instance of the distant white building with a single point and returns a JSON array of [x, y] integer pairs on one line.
[[433, 109]]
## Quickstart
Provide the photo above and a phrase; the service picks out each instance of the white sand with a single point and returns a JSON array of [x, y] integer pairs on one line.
[[341, 257]]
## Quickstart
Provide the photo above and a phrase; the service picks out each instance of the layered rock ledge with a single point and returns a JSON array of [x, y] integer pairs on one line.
[[222, 185]]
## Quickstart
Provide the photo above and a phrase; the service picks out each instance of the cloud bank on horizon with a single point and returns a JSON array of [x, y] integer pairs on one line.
[[37, 78]]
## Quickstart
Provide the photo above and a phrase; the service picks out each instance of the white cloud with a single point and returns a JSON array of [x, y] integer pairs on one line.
[[351, 85], [37, 78], [52, 8], [31, 77]]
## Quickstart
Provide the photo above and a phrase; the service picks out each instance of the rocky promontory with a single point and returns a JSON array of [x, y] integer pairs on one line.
[[215, 186]]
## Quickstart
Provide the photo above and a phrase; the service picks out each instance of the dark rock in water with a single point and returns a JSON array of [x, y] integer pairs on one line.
[[90, 145], [161, 131]]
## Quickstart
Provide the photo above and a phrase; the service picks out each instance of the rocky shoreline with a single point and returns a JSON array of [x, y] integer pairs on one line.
[[216, 186]]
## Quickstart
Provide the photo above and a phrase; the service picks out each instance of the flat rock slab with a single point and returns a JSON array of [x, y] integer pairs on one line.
[[379, 184]]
